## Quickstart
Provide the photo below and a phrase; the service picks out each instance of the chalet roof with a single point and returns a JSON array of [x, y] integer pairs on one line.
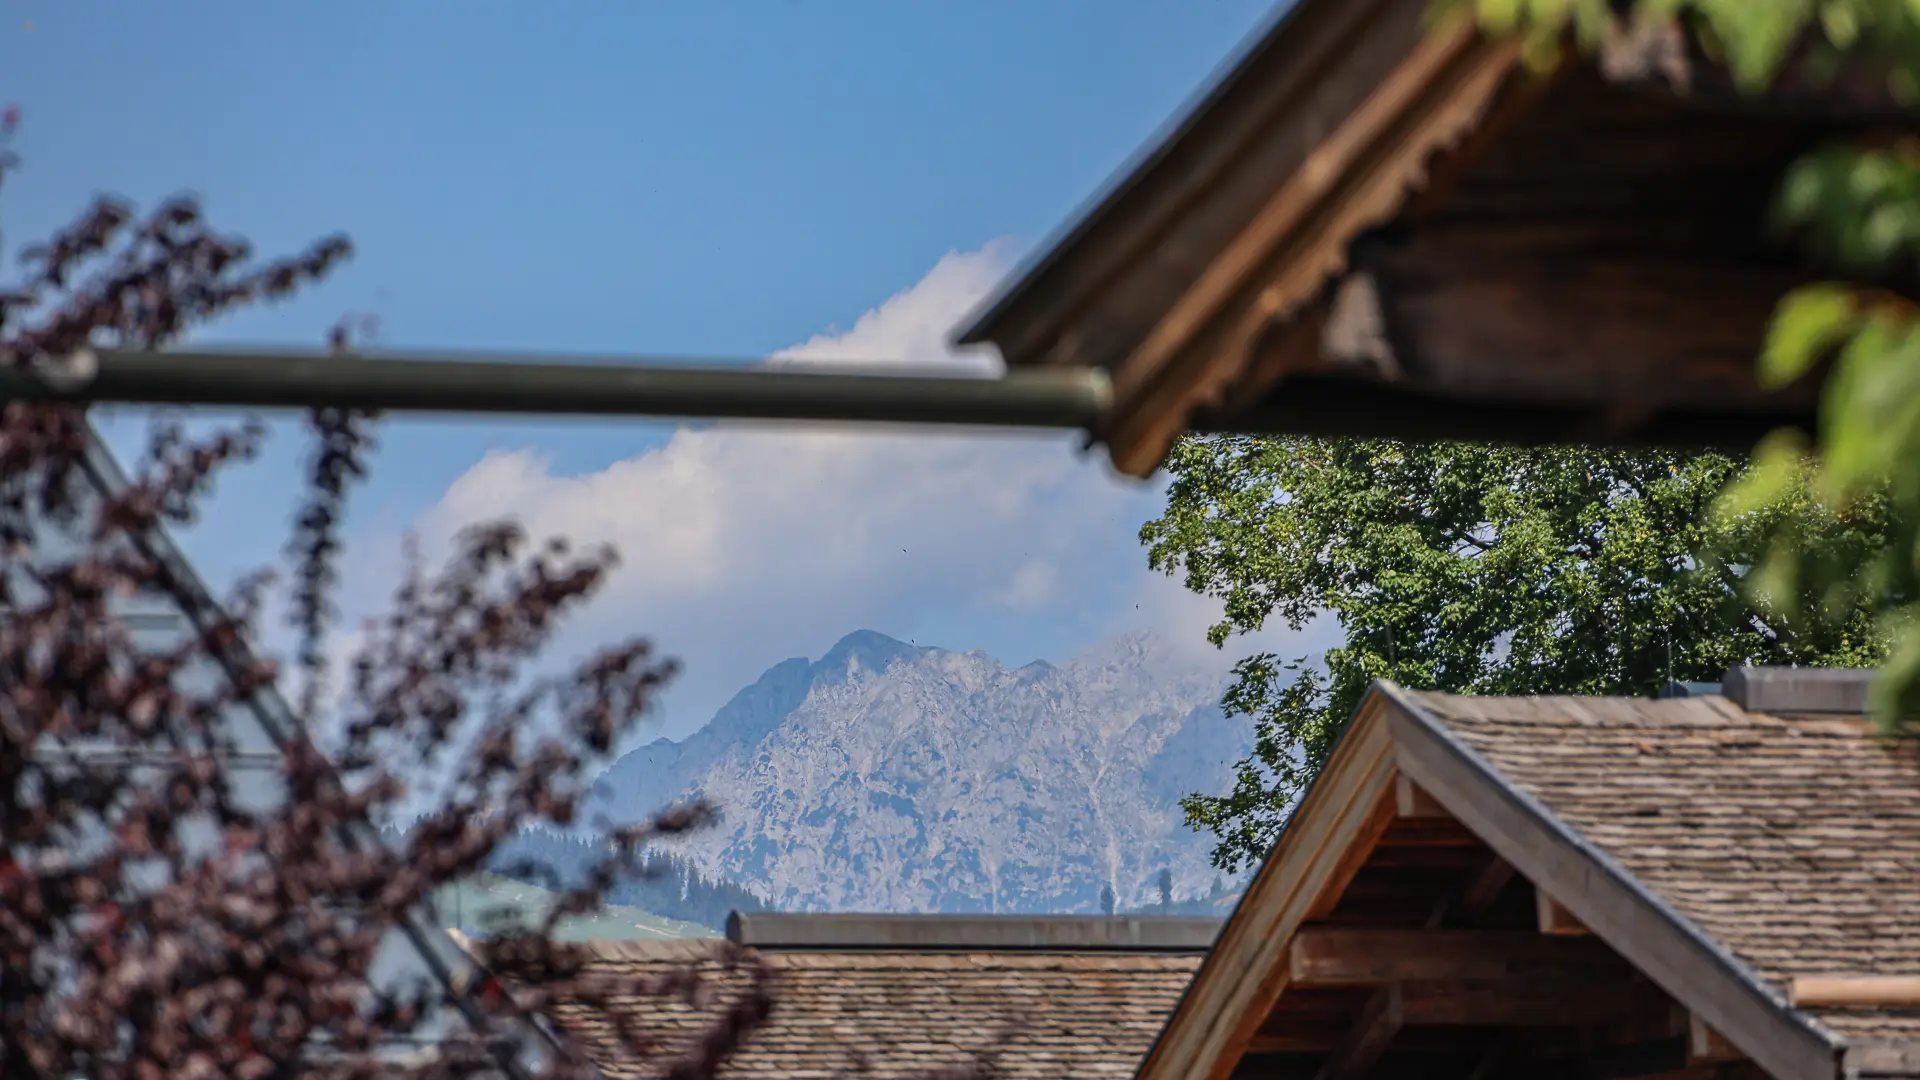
[[1744, 863], [903, 1010], [1793, 841], [1345, 236]]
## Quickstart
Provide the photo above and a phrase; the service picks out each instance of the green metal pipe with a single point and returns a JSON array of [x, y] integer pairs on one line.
[[1062, 398]]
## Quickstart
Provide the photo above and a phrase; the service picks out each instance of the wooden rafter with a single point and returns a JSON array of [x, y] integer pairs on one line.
[[1554, 918], [1379, 1021], [1707, 1045], [1328, 956], [1412, 802]]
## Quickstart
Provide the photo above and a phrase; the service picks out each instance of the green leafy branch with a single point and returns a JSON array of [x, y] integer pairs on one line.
[[1856, 207]]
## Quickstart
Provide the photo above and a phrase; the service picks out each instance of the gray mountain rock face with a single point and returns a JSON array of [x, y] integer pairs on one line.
[[888, 777]]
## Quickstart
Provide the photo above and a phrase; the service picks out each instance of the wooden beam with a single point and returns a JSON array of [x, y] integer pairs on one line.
[[1523, 1002], [1368, 143], [1486, 886], [1449, 1016], [1488, 883], [1303, 1036], [1245, 973], [1707, 1045], [1480, 316], [1857, 991], [1357, 177], [1412, 802], [1131, 256], [1379, 1021], [1334, 885], [1330, 956], [1290, 1042], [1555, 919], [1425, 411]]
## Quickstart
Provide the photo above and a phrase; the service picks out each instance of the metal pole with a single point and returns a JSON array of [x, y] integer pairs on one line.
[[1056, 398]]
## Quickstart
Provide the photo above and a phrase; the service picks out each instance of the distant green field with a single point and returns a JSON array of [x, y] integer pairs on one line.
[[471, 906]]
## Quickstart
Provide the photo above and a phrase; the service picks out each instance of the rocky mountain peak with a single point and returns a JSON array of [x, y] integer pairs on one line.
[[888, 776], [864, 650]]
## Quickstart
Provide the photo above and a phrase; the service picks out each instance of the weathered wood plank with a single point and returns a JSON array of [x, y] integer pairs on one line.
[[1707, 1045], [1655, 331], [1280, 262], [1233, 992], [1322, 1038], [1339, 956], [1523, 1002], [1128, 259], [1555, 918], [1413, 802], [1334, 886]]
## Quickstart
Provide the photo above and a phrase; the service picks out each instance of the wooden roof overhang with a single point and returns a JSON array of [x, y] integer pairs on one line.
[[1421, 917], [1372, 228]]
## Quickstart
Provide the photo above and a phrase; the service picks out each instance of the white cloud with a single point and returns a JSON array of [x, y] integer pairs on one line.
[[745, 544]]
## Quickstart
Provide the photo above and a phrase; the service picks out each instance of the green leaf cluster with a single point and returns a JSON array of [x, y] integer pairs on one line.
[[1753, 39], [1856, 206], [1473, 569]]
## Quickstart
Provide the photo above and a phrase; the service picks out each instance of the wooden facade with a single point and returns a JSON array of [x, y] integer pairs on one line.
[[1372, 228], [1486, 888]]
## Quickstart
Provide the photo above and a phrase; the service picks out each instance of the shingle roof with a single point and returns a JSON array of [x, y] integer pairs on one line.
[[904, 1013], [1794, 841]]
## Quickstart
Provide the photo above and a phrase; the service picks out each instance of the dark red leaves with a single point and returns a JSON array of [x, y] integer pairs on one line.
[[156, 922]]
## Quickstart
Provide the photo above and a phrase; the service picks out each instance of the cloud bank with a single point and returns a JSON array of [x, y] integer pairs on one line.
[[744, 544]]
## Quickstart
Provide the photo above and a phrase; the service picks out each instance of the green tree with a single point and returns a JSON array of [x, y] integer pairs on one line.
[[1856, 205], [1470, 569]]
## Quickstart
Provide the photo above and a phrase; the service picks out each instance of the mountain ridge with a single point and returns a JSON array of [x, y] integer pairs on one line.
[[888, 776]]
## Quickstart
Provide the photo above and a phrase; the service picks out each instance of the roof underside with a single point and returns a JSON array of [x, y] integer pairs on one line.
[[1377, 230], [1607, 887]]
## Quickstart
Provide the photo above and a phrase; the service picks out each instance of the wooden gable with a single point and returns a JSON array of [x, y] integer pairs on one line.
[[1370, 228], [1424, 916]]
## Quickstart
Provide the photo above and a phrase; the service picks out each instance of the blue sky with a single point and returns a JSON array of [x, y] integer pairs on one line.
[[715, 179]]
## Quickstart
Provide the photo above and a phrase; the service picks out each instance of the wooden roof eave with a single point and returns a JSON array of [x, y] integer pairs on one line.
[[1332, 832], [1327, 161], [1201, 282], [1272, 72], [1358, 178]]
